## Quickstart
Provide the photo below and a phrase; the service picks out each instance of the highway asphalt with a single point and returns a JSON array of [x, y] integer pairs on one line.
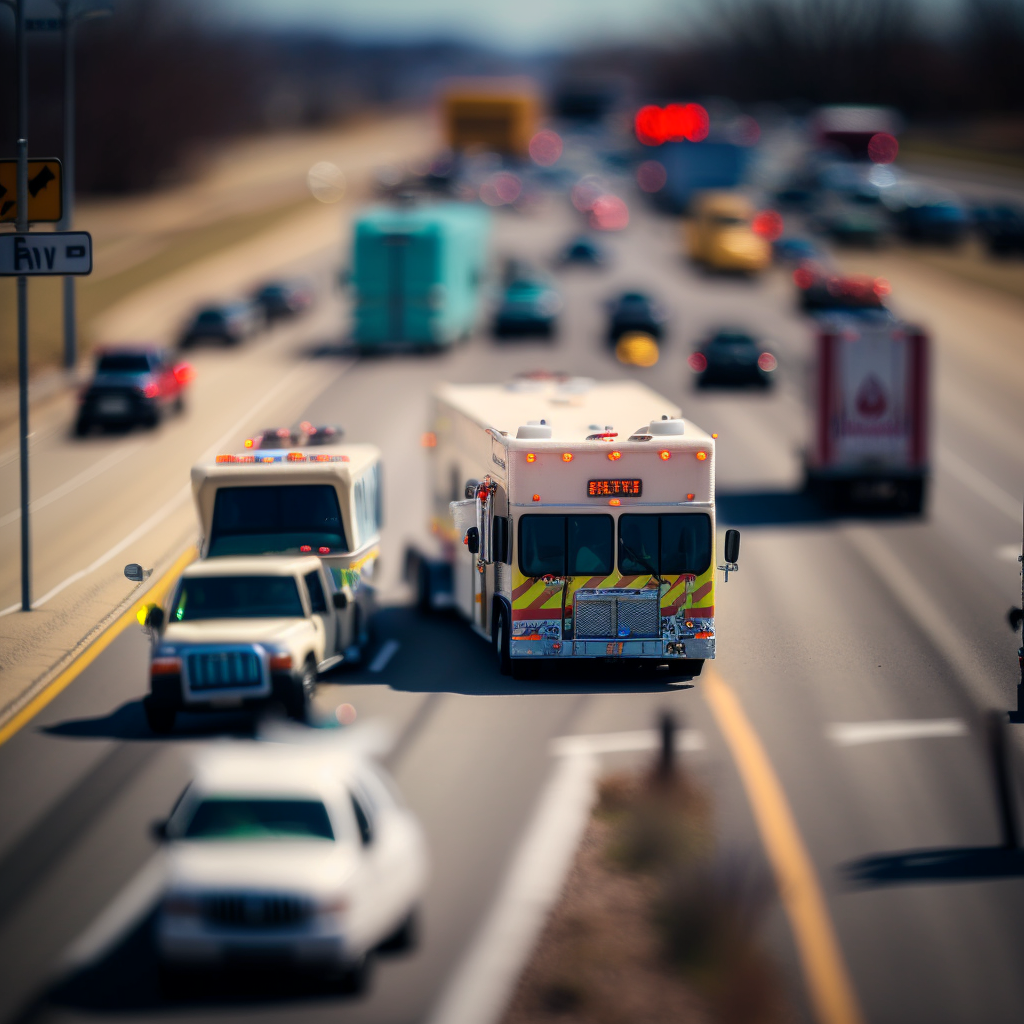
[[896, 626]]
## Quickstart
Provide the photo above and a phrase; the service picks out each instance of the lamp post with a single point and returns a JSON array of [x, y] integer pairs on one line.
[[69, 19]]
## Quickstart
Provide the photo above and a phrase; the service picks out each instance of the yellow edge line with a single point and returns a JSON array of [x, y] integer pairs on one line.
[[154, 594], [831, 990]]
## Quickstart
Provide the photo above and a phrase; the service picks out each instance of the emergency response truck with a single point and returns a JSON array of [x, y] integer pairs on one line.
[[869, 398], [576, 520]]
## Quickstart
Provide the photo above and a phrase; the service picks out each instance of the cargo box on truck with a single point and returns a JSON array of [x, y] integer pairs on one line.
[[869, 393], [417, 274]]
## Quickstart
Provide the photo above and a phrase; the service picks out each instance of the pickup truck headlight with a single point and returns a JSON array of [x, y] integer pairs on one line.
[[165, 666], [280, 661]]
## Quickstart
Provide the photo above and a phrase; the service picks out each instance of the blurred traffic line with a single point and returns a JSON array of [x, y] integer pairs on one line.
[[981, 485], [76, 481], [384, 655], [155, 592], [830, 988], [854, 734]]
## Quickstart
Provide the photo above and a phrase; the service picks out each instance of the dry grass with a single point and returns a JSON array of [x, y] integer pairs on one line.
[[654, 926]]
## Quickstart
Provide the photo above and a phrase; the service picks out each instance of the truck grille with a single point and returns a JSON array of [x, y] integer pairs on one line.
[[615, 614], [242, 910], [222, 670]]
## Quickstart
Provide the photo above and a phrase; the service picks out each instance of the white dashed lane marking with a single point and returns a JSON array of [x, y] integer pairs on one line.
[[855, 734]]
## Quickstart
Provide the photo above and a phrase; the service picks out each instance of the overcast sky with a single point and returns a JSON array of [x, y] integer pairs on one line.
[[508, 24]]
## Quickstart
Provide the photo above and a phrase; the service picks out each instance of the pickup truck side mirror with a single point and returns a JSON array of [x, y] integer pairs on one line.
[[339, 599], [136, 573], [473, 540], [155, 617]]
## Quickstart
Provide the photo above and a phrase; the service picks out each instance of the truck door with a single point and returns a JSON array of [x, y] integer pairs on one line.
[[323, 613]]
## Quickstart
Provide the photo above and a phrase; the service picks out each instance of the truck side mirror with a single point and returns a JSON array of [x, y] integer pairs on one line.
[[473, 540], [155, 617], [470, 491], [499, 546], [339, 599], [732, 546], [136, 573]]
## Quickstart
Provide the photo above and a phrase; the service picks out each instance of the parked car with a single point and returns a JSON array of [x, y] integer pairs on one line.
[[230, 324], [635, 311], [130, 385], [529, 305], [283, 856], [732, 357], [281, 300], [583, 251]]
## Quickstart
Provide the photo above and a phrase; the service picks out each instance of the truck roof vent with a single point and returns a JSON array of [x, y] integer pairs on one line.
[[534, 430], [666, 427]]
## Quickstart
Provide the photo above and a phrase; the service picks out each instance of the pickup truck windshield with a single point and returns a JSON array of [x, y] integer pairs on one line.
[[237, 597], [259, 819], [277, 519]]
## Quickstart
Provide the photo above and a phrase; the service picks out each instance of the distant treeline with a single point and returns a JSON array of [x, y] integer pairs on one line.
[[156, 81], [931, 59]]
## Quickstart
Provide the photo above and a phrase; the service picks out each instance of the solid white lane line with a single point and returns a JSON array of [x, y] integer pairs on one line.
[[981, 485], [854, 734], [157, 517], [112, 459], [127, 908], [384, 655], [687, 740], [179, 498], [483, 982]]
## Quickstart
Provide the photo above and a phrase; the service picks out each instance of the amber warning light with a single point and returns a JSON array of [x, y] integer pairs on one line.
[[611, 488]]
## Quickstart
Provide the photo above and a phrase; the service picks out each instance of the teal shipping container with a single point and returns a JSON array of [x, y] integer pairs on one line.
[[417, 274]]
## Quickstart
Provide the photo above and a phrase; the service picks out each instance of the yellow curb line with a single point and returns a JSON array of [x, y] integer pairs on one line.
[[155, 593], [831, 991]]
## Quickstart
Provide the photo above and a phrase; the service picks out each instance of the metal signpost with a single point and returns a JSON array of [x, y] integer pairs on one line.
[[25, 255]]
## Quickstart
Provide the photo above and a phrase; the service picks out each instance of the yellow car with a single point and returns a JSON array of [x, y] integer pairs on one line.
[[720, 234]]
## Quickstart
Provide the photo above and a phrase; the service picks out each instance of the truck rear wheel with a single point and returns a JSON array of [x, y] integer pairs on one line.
[[159, 717], [501, 641]]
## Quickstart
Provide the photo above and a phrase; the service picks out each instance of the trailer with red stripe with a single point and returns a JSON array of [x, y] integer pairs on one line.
[[575, 520], [870, 402]]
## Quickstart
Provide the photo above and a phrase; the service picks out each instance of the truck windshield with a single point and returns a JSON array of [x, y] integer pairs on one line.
[[670, 544], [237, 597], [280, 518], [232, 818], [579, 545]]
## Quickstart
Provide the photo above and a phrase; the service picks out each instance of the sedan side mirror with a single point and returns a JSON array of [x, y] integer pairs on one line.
[[339, 599]]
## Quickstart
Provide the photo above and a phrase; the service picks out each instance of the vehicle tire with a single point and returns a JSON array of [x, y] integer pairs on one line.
[[911, 497], [301, 695], [405, 937], [159, 717], [690, 666], [174, 981], [354, 979], [502, 646]]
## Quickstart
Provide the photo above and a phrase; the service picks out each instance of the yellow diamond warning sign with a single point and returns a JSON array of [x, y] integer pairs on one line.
[[45, 194]]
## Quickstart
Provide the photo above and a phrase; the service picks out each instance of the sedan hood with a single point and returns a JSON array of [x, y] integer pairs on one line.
[[240, 631], [311, 867]]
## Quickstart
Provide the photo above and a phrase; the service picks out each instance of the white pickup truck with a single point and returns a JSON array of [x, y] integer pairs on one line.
[[244, 631]]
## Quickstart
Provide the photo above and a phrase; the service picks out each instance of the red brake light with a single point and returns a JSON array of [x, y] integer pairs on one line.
[[698, 362], [183, 373], [323, 550], [305, 548], [151, 390], [767, 361], [881, 286], [296, 457], [768, 224]]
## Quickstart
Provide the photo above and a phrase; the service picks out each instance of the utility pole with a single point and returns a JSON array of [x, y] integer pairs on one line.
[[69, 19]]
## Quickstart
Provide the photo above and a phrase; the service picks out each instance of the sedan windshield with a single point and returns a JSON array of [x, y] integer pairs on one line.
[[237, 597], [241, 819]]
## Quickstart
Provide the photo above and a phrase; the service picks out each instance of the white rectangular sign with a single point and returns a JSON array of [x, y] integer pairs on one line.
[[46, 252]]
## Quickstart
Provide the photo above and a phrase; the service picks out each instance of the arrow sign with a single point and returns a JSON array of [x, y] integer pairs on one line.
[[45, 195], [43, 253]]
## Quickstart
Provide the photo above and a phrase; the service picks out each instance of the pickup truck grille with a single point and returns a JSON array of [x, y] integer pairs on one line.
[[223, 670], [616, 614], [263, 910]]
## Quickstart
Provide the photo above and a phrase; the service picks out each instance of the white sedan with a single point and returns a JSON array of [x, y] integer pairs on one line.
[[306, 858]]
